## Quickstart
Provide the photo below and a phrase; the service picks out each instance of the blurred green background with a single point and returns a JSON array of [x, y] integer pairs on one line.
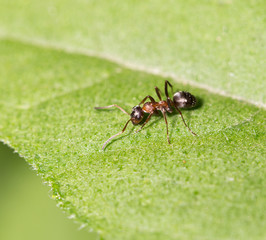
[[26, 211]]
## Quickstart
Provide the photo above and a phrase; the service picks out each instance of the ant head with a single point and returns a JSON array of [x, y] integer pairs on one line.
[[184, 99], [137, 114]]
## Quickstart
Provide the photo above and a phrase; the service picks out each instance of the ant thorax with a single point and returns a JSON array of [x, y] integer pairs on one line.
[[184, 99], [148, 107]]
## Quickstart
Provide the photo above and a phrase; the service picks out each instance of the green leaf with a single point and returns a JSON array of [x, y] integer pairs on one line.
[[204, 187], [207, 187]]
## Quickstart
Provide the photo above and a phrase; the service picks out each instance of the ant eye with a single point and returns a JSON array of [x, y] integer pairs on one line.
[[184, 99], [136, 114]]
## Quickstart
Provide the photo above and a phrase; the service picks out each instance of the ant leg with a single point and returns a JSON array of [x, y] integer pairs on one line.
[[115, 135], [169, 109], [114, 105], [165, 119], [166, 89], [184, 119], [152, 100], [158, 93], [147, 120], [144, 99]]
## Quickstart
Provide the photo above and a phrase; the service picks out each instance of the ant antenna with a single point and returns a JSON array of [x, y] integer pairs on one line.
[[113, 105], [115, 135]]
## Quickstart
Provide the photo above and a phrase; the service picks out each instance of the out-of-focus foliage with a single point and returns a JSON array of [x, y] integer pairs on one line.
[[26, 211], [216, 43]]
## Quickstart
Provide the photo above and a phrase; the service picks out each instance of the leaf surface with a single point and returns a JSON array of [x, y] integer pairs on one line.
[[204, 187]]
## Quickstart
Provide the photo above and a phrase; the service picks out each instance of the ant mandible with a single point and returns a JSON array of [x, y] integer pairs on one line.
[[180, 100]]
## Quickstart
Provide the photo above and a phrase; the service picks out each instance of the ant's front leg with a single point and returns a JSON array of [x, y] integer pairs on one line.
[[144, 99], [147, 120]]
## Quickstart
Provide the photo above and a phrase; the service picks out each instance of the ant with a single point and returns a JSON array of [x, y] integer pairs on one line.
[[180, 100]]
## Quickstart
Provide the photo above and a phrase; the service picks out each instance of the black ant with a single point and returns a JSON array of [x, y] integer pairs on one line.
[[180, 100]]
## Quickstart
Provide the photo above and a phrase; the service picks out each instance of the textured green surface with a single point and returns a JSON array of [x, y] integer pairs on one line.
[[207, 187], [26, 211], [216, 43]]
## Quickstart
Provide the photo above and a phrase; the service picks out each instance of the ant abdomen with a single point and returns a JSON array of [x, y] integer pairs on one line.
[[184, 99]]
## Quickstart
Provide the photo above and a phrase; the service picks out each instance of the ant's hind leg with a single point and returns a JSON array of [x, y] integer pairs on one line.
[[166, 89], [158, 93], [184, 120], [113, 105]]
